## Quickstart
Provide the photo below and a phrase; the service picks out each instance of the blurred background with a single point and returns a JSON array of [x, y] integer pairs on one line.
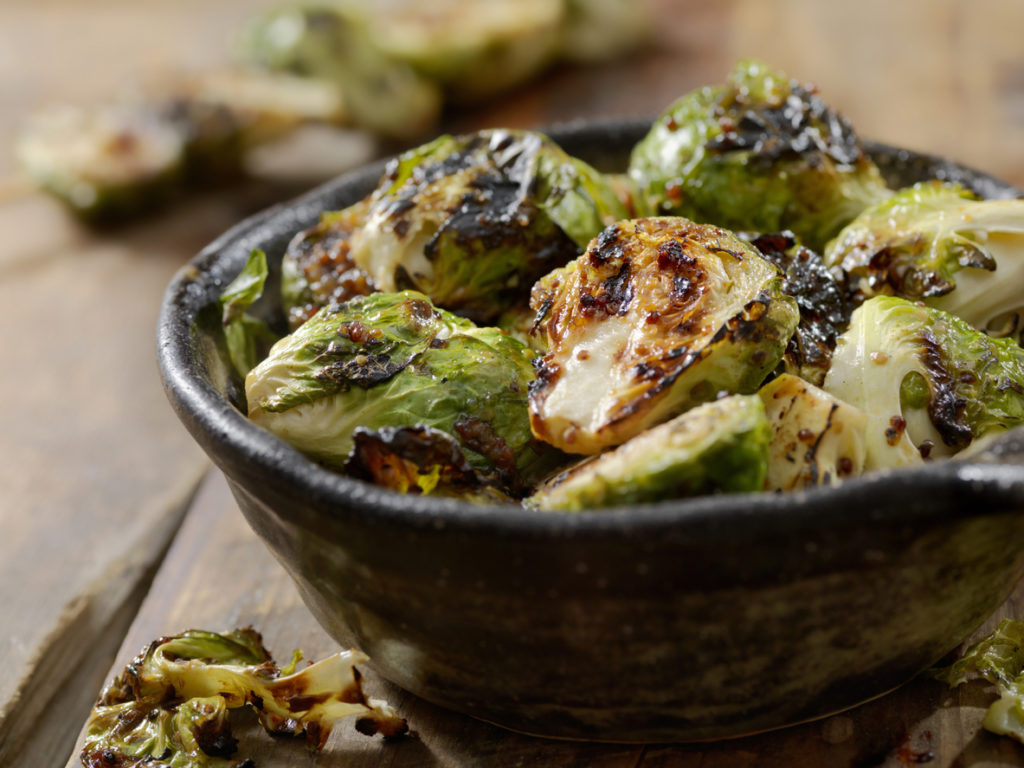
[[95, 471]]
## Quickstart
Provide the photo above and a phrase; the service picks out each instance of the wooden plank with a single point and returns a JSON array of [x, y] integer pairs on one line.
[[218, 576], [94, 466]]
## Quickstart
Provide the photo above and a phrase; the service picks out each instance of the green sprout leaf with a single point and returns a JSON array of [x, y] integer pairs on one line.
[[248, 338]]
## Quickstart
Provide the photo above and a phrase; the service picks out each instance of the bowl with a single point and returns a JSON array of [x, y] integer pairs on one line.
[[685, 620]]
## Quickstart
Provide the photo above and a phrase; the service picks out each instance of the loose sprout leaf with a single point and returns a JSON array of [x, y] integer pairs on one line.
[[938, 242], [816, 438], [823, 311], [659, 315], [715, 447], [169, 706], [962, 384], [473, 221], [248, 338], [760, 153], [317, 268], [999, 659], [394, 360]]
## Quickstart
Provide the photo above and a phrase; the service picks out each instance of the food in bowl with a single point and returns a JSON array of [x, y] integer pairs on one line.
[[497, 313]]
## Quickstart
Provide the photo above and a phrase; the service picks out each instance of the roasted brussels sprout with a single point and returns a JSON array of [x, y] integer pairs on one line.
[[761, 153], [473, 221], [472, 49], [112, 162], [418, 460], [104, 164], [928, 382], [394, 360], [816, 438], [333, 42], [317, 268], [720, 446], [657, 316], [823, 311], [595, 30], [169, 707], [938, 242]]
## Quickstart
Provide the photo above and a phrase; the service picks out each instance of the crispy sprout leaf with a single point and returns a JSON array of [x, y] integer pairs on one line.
[[248, 338], [317, 268], [823, 311], [999, 659], [168, 707]]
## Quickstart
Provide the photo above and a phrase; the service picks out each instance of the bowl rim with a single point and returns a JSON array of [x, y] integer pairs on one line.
[[240, 447]]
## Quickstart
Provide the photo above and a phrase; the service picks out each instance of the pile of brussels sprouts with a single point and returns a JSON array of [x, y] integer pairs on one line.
[[748, 308]]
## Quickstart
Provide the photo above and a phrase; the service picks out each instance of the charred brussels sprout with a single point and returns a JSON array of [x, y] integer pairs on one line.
[[473, 221], [169, 707], [761, 153], [715, 447], [394, 360], [823, 312], [657, 316], [317, 268], [333, 42], [473, 50], [106, 164], [816, 438], [938, 242], [418, 460], [928, 382]]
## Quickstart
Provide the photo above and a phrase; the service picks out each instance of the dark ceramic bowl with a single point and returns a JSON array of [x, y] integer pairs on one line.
[[693, 619]]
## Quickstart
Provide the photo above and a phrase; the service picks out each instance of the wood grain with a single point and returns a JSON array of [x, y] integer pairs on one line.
[[218, 576]]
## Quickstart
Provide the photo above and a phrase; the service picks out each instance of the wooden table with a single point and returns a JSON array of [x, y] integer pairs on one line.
[[106, 546]]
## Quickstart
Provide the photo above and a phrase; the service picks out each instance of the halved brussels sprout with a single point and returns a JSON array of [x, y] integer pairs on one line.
[[817, 439], [596, 30], [657, 316], [473, 50], [761, 153], [473, 221], [317, 268], [394, 360], [104, 164], [823, 311], [938, 242], [928, 382], [716, 447], [333, 42]]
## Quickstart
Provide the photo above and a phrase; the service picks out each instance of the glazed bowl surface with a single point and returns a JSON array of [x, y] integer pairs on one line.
[[685, 620]]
